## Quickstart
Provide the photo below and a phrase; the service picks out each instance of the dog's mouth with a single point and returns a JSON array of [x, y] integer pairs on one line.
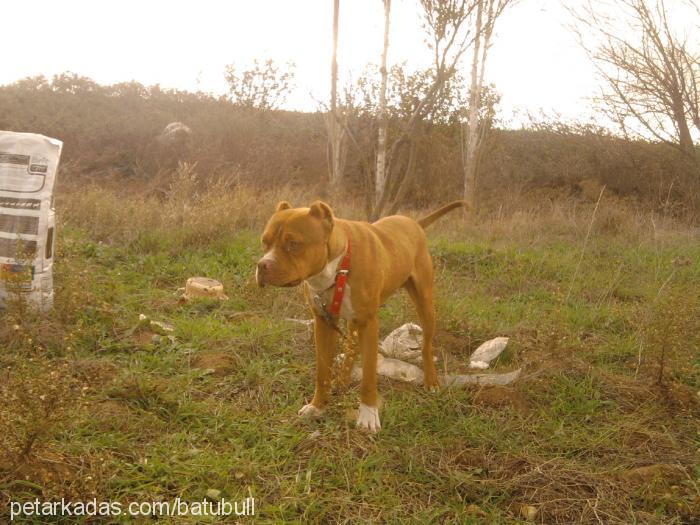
[[262, 282], [290, 284]]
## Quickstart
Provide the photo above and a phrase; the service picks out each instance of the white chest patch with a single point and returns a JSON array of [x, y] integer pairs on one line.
[[321, 284]]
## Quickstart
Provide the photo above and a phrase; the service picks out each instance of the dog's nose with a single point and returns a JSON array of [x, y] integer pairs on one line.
[[260, 271]]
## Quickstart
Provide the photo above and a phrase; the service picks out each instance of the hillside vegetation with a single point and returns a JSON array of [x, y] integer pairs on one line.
[[111, 132]]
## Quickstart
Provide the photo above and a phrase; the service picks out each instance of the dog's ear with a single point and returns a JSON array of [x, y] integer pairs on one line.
[[283, 205], [323, 212]]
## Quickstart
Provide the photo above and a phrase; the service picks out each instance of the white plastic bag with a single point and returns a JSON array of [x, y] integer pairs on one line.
[[28, 164]]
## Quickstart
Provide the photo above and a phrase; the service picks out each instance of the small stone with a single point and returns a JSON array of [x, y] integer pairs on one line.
[[475, 510], [213, 494], [529, 512]]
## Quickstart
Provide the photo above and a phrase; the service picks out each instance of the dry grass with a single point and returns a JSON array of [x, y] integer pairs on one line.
[[182, 205]]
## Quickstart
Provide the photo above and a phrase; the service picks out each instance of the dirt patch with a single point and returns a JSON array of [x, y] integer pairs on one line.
[[113, 416], [49, 475], [217, 364], [471, 458], [94, 372], [680, 396], [143, 337], [48, 470], [143, 416], [451, 343], [660, 475], [630, 393], [545, 484], [499, 396]]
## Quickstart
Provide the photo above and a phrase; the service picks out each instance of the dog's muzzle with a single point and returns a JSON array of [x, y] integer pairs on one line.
[[262, 270]]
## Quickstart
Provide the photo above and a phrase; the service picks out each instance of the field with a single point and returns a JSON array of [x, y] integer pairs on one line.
[[602, 307]]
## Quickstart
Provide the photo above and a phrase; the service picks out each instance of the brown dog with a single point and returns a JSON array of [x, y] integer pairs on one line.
[[308, 244]]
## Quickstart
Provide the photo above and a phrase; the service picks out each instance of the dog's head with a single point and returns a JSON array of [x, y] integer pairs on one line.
[[295, 241]]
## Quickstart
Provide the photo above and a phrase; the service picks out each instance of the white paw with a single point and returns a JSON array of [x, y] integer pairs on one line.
[[368, 418], [310, 411]]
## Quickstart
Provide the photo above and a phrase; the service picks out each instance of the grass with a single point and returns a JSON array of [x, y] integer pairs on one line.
[[602, 427]]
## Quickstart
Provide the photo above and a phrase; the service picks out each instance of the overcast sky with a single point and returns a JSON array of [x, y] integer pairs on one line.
[[535, 62]]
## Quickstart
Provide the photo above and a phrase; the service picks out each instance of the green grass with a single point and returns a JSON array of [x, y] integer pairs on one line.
[[125, 419]]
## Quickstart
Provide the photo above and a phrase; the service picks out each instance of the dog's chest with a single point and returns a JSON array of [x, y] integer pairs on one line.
[[322, 288], [325, 298]]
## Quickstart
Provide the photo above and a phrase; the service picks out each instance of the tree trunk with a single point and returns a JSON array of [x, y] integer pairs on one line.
[[380, 176], [335, 130], [472, 139], [684, 136]]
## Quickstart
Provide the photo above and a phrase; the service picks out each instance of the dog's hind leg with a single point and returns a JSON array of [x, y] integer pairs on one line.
[[420, 287]]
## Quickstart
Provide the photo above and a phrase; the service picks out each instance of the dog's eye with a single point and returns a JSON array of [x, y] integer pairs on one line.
[[293, 246]]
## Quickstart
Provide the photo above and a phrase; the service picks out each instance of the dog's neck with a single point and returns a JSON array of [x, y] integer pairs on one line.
[[337, 245], [326, 277]]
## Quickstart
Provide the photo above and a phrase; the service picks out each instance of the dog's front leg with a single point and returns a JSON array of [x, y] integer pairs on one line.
[[368, 414], [326, 339]]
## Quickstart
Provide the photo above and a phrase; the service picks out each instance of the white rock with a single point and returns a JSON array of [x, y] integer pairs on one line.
[[175, 133], [404, 343], [400, 370], [487, 352], [481, 379]]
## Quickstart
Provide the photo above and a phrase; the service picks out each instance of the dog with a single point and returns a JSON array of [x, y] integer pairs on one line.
[[349, 269]]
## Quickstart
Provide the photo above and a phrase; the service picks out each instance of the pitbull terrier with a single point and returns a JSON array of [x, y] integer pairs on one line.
[[350, 268]]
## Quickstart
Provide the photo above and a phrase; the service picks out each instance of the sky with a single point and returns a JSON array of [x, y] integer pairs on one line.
[[535, 62]]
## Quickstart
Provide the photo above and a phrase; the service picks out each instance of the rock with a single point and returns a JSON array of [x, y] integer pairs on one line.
[[175, 134], [529, 512], [404, 343], [163, 340], [156, 327], [487, 352], [400, 370], [213, 494], [482, 379], [204, 287]]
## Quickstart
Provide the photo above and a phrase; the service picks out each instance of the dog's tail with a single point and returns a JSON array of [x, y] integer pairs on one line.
[[429, 219]]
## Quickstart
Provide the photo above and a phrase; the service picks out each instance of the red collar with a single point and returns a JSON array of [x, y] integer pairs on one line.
[[341, 279]]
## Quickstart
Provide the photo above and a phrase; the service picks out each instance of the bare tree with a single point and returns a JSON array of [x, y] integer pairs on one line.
[[448, 37], [651, 75], [263, 86], [405, 91], [380, 178], [487, 13], [336, 132]]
